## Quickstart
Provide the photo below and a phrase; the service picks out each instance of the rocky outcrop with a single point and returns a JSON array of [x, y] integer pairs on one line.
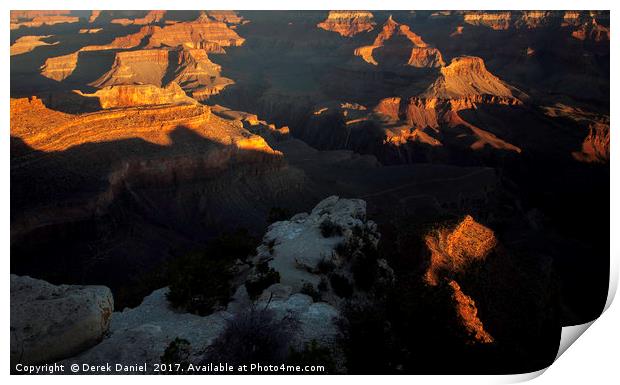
[[229, 17], [595, 147], [93, 16], [592, 31], [497, 20], [400, 39], [143, 333], [140, 95], [90, 30], [50, 322], [60, 67], [331, 235], [467, 77], [203, 33], [33, 19], [27, 43], [198, 75], [191, 69], [467, 315], [150, 18], [136, 67], [595, 144], [301, 253], [452, 250], [348, 23]]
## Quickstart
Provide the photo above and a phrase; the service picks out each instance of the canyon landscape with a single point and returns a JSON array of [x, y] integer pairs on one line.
[[341, 192]]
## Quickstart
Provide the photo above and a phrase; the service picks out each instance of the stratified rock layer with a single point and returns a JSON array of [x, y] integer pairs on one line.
[[348, 23], [28, 43]]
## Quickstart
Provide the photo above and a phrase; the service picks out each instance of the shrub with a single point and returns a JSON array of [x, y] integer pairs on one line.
[[325, 266], [309, 290], [265, 277], [200, 281], [254, 336], [330, 229], [341, 285]]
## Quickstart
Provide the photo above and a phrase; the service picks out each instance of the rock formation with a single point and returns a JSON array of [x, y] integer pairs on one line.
[[229, 17], [28, 43], [451, 252], [197, 74], [455, 249], [33, 19], [467, 314], [203, 33], [49, 322], [140, 95], [467, 77], [497, 20], [591, 30], [595, 147], [298, 250], [190, 68], [90, 30], [93, 16], [348, 23], [59, 67], [150, 18], [147, 66], [400, 39], [217, 144]]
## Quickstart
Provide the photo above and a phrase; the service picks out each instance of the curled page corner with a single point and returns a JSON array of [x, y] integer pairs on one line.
[[570, 335]]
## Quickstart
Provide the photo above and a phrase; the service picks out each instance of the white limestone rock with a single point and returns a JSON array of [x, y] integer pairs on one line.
[[50, 322]]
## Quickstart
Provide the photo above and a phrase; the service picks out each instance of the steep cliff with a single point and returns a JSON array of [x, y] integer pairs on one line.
[[203, 33], [28, 43], [348, 23], [396, 39], [34, 19], [140, 95]]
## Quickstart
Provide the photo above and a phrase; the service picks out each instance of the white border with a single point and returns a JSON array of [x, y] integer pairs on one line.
[[594, 358]]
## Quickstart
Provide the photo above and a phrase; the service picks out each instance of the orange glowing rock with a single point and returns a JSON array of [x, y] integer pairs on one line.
[[453, 250], [28, 43], [467, 313], [420, 53], [348, 23], [33, 19]]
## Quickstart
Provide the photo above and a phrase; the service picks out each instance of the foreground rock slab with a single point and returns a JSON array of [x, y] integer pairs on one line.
[[50, 322]]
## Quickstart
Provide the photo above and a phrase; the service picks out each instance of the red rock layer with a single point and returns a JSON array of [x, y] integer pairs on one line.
[[28, 43], [452, 250], [229, 17], [467, 313], [150, 18], [595, 147], [202, 33], [348, 23], [140, 95]]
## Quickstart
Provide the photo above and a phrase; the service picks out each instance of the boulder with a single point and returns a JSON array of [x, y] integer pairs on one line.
[[50, 322]]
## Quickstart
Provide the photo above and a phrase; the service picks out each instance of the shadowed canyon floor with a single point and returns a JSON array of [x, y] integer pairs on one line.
[[423, 191]]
